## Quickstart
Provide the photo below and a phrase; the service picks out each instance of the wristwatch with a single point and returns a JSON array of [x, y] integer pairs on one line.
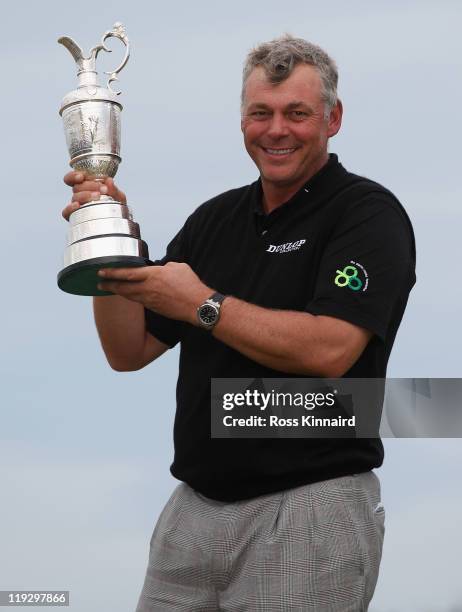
[[208, 313]]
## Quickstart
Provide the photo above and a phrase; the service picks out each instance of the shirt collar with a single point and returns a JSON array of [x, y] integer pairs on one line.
[[322, 184]]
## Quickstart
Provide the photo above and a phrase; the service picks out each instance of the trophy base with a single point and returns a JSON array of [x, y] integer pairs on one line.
[[82, 278]]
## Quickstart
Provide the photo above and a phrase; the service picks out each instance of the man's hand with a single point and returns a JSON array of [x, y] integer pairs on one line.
[[86, 188], [173, 290]]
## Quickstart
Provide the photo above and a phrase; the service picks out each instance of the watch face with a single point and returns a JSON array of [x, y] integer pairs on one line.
[[208, 314]]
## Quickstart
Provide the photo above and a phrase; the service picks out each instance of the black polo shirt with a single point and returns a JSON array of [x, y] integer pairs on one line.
[[343, 246]]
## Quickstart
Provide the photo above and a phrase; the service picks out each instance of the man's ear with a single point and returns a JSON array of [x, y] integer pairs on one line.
[[335, 119]]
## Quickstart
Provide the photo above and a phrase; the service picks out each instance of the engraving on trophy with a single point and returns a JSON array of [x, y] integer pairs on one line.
[[93, 128]]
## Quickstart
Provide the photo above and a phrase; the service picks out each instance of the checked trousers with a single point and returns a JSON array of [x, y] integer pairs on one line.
[[313, 548]]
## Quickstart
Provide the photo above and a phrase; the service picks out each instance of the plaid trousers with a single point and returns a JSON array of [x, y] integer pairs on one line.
[[313, 548]]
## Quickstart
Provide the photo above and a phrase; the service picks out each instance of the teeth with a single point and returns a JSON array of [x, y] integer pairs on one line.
[[279, 151]]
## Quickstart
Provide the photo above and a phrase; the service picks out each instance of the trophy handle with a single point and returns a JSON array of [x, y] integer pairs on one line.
[[118, 31]]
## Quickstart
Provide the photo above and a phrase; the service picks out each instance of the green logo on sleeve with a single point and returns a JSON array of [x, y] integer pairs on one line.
[[348, 277]]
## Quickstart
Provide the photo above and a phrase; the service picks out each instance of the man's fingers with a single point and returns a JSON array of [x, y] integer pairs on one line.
[[86, 196], [77, 200], [112, 287], [125, 274], [73, 177], [114, 191], [131, 291], [70, 208], [84, 183], [86, 189], [89, 186]]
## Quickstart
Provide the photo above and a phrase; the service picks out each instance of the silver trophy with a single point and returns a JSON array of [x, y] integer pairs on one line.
[[102, 232]]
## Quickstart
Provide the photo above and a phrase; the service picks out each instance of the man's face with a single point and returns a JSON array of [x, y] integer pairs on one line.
[[284, 129]]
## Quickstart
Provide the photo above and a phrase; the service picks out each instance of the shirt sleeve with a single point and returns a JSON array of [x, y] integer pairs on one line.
[[367, 266], [168, 331]]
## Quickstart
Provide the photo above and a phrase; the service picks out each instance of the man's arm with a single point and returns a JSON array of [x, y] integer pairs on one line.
[[120, 323], [122, 331], [288, 341]]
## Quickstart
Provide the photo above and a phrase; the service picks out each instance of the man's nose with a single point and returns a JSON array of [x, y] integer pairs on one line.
[[278, 126]]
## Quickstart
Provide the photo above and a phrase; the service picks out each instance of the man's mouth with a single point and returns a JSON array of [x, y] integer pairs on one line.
[[272, 151]]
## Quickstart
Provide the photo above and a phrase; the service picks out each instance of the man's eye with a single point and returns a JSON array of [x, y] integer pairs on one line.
[[298, 114], [259, 114]]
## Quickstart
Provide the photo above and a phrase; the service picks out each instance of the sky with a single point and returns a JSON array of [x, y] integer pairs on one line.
[[85, 451]]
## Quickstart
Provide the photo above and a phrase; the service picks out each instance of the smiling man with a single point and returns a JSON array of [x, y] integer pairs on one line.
[[305, 272], [286, 129]]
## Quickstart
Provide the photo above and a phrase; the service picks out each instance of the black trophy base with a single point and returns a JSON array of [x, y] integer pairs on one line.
[[82, 278]]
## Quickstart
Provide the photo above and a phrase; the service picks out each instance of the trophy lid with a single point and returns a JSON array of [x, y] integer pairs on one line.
[[89, 89]]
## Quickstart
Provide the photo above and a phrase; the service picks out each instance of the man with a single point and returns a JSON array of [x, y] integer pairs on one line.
[[309, 269]]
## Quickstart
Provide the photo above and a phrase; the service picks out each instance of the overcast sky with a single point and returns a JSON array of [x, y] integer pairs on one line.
[[85, 451]]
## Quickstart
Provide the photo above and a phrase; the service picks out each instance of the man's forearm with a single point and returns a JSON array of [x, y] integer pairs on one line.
[[283, 340], [288, 341], [121, 329]]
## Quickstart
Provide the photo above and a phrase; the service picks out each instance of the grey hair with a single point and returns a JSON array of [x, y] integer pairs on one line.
[[278, 57]]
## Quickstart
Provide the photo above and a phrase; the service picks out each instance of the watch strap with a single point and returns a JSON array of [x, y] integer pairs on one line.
[[217, 298]]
